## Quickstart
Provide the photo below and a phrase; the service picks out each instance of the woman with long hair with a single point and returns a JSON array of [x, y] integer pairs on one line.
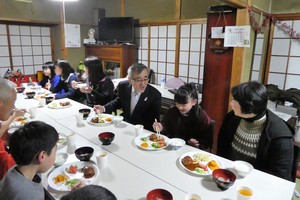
[[67, 75], [99, 89], [49, 75]]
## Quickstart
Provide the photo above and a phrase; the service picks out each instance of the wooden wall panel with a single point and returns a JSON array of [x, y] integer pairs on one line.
[[217, 75]]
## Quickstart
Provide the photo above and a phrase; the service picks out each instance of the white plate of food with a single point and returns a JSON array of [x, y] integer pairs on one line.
[[100, 120], [68, 175], [62, 140], [151, 142], [59, 104], [42, 96], [20, 121], [200, 163]]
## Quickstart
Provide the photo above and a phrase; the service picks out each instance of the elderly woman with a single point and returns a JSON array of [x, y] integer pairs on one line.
[[254, 134]]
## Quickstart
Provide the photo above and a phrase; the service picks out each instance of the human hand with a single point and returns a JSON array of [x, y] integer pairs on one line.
[[157, 126], [193, 142], [86, 89], [99, 109], [48, 85], [74, 84], [19, 112]]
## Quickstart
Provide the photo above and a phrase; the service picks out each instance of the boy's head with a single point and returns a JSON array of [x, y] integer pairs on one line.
[[34, 143]]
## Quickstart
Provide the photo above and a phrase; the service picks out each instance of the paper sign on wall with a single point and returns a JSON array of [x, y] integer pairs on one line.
[[237, 36], [72, 35], [217, 32]]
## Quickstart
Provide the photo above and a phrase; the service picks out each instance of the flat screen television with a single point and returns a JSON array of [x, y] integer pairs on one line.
[[116, 30]]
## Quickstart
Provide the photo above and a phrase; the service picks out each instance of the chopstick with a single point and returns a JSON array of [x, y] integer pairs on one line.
[[157, 128]]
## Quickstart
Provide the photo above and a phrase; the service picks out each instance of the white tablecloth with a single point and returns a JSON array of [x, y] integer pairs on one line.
[[133, 172]]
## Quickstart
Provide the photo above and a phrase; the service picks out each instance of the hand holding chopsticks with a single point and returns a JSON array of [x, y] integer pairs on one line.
[[157, 127]]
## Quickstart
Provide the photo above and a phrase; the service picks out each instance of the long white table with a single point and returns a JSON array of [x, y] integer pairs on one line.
[[159, 168], [164, 164], [121, 177]]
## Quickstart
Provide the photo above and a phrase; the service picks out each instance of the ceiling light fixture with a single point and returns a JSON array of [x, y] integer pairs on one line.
[[65, 0], [25, 1]]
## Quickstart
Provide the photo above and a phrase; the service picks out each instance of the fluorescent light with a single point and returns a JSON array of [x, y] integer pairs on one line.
[[26, 1], [65, 0]]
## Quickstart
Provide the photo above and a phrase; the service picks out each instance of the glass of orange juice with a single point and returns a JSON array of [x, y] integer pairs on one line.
[[244, 193]]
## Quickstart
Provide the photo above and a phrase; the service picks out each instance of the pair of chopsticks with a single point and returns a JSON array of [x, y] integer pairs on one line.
[[157, 128]]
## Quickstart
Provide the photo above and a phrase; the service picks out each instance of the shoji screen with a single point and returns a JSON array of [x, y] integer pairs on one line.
[[30, 47], [157, 46], [256, 64], [285, 59], [191, 56], [4, 51]]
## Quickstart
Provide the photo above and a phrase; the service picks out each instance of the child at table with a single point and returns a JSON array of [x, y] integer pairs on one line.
[[90, 192], [33, 148], [187, 120]]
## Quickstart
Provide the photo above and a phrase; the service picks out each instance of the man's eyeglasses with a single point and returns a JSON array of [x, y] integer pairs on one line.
[[140, 80]]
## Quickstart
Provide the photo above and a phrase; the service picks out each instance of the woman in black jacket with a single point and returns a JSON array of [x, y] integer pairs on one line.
[[100, 87], [254, 134], [67, 75]]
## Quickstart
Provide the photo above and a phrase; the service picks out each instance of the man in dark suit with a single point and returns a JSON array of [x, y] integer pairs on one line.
[[140, 102]]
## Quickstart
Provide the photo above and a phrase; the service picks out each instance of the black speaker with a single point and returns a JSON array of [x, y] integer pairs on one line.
[[97, 13]]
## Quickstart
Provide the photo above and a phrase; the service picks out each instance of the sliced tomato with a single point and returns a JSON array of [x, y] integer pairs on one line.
[[204, 167], [73, 169]]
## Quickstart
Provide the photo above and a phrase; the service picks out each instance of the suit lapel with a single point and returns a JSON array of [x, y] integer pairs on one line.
[[127, 103]]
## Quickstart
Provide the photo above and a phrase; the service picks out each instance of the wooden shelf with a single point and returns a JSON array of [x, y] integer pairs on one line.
[[126, 55]]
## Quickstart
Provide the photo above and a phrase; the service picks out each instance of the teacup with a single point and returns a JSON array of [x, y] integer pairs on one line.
[[244, 193], [118, 120]]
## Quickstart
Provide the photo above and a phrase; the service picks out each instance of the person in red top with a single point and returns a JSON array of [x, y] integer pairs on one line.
[[7, 115]]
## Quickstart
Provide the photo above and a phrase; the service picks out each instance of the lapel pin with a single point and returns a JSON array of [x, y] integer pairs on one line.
[[146, 99]]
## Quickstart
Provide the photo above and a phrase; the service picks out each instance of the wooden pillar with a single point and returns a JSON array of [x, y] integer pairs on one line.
[[217, 72], [122, 8], [64, 51]]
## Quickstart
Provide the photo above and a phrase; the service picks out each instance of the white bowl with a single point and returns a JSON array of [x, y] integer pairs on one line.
[[82, 85], [243, 168], [192, 197], [60, 159], [117, 120], [176, 143]]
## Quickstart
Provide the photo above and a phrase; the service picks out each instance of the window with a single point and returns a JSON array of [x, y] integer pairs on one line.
[[157, 48], [24, 48]]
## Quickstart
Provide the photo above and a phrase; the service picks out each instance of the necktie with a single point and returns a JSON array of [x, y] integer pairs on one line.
[[134, 100]]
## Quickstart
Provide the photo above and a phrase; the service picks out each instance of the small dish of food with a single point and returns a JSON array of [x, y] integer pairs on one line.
[[118, 120], [20, 89], [85, 111], [192, 197], [243, 168], [20, 121], [177, 143], [106, 137], [60, 159], [223, 178], [59, 104], [159, 194], [84, 153], [30, 95]]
